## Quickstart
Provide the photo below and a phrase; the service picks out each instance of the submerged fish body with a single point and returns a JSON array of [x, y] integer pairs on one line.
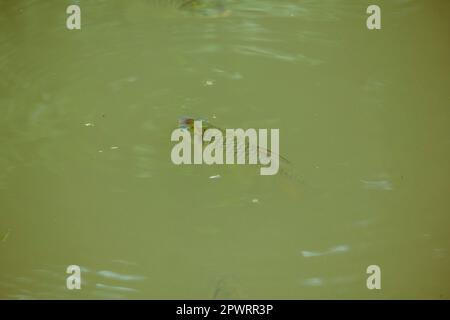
[[189, 124]]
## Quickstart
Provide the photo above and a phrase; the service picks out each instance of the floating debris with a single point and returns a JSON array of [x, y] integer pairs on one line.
[[89, 124], [255, 200], [209, 82], [114, 148], [216, 176]]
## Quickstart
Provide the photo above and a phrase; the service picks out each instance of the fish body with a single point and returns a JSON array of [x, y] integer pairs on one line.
[[286, 168], [188, 123]]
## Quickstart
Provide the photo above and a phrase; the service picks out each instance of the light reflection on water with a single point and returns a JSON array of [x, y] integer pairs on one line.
[[50, 283]]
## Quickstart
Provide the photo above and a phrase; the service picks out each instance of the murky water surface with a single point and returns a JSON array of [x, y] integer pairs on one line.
[[85, 170]]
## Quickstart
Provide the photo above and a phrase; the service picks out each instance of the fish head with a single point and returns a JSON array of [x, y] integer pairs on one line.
[[191, 124], [186, 123]]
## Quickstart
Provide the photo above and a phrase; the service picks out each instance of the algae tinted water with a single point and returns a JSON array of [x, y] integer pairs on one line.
[[85, 170]]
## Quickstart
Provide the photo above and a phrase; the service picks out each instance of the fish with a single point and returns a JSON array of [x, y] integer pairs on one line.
[[290, 182], [333, 250], [188, 123]]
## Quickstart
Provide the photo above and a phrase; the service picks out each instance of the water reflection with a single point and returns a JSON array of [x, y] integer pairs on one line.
[[118, 276], [332, 281], [332, 250], [50, 283], [228, 288]]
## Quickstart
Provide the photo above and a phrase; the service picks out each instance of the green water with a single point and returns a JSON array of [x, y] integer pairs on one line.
[[85, 170]]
